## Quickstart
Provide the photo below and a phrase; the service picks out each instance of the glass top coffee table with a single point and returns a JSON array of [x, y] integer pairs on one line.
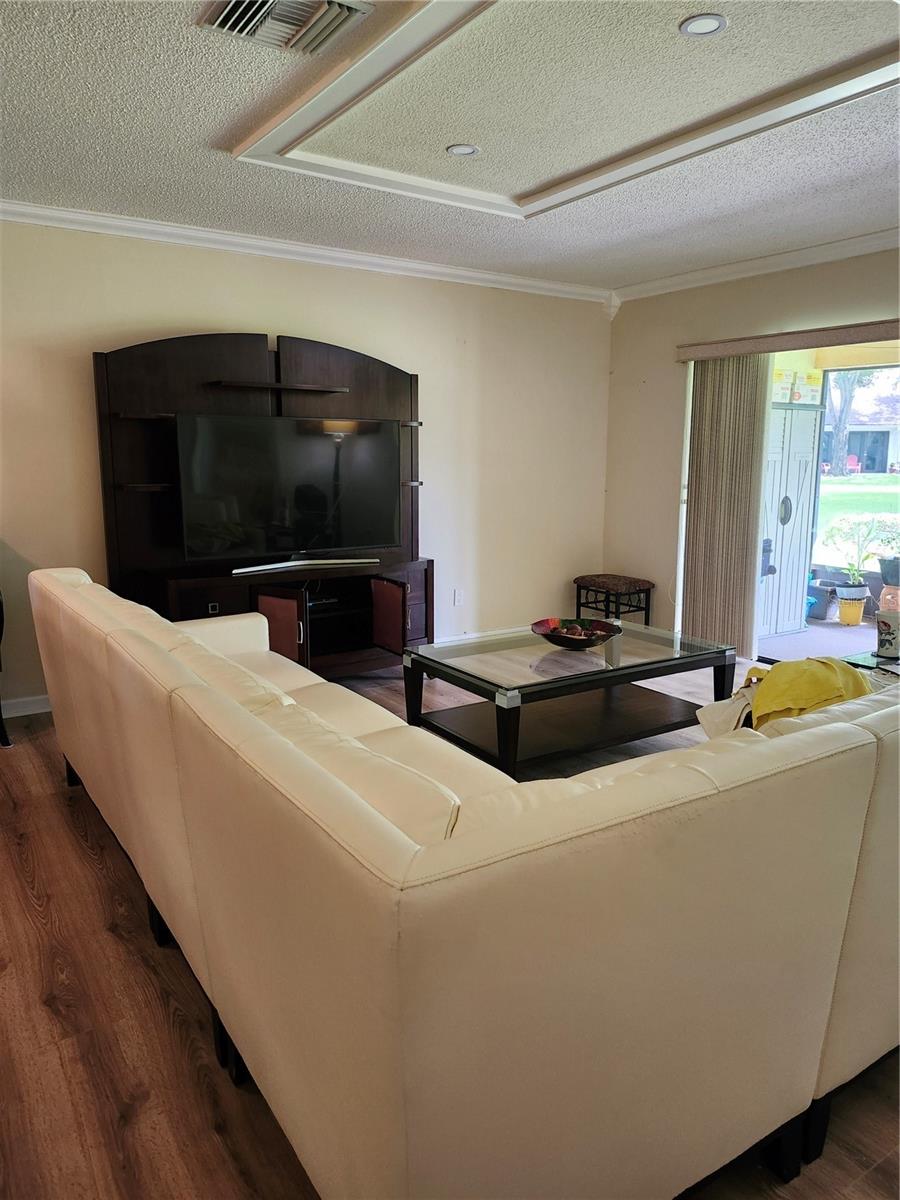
[[573, 699]]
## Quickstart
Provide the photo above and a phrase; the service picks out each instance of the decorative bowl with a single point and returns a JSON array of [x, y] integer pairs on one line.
[[552, 630]]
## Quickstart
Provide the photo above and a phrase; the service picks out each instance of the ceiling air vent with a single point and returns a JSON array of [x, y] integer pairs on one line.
[[306, 25]]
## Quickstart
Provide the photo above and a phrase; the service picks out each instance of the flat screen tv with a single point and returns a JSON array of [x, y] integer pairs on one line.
[[253, 486]]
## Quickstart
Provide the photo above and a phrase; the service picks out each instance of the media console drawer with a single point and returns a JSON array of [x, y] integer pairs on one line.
[[215, 601]]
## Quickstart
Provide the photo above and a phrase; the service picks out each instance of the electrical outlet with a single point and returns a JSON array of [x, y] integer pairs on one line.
[[457, 597]]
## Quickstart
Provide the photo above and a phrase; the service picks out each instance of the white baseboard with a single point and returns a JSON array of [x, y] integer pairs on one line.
[[26, 705], [485, 633]]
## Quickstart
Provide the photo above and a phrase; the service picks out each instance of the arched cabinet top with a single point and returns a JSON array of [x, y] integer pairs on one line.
[[236, 372]]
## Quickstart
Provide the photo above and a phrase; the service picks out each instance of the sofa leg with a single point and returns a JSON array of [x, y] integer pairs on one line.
[[783, 1155], [72, 777], [815, 1128], [221, 1040], [162, 935], [5, 739], [237, 1068]]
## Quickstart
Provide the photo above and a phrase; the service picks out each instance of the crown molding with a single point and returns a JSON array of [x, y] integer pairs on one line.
[[852, 247], [325, 256]]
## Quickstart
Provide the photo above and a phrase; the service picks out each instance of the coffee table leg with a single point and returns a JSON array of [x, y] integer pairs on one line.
[[413, 676], [723, 679], [508, 738]]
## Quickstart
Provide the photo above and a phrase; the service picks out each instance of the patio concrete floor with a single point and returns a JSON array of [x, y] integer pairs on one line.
[[820, 638]]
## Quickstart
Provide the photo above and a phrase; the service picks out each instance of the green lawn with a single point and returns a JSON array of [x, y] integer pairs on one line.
[[857, 494], [849, 495]]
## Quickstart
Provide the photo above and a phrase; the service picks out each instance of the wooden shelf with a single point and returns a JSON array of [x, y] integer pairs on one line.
[[124, 416], [145, 487], [276, 387]]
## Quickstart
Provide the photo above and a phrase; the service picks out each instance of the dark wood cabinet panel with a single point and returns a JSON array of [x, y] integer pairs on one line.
[[149, 531], [415, 588], [389, 614], [415, 623], [377, 390], [177, 374], [144, 451]]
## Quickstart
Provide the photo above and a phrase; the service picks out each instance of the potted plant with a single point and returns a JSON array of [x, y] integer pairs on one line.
[[856, 537]]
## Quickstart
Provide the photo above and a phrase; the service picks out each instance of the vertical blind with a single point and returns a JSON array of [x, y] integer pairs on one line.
[[724, 489]]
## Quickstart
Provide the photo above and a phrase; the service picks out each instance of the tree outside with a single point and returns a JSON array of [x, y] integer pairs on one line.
[[842, 389]]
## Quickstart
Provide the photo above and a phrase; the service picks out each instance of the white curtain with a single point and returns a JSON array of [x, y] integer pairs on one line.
[[725, 467]]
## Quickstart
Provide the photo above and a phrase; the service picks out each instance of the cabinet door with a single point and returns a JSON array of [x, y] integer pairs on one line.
[[286, 611], [389, 614]]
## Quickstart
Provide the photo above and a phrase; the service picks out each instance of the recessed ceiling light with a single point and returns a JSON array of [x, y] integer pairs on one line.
[[462, 150], [702, 24]]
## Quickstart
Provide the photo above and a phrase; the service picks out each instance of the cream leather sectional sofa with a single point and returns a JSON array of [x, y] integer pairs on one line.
[[447, 984]]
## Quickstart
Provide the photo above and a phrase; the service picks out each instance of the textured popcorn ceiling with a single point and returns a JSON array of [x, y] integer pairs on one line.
[[129, 108], [547, 89]]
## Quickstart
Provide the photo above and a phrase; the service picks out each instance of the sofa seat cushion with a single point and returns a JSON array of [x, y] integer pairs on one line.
[[424, 810], [464, 774], [649, 764], [249, 690], [278, 670], [345, 710], [512, 801]]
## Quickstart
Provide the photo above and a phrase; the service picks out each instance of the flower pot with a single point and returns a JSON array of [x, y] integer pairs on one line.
[[852, 591], [890, 571], [888, 626], [850, 611]]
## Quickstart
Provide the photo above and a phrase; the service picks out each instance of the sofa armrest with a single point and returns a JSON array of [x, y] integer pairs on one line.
[[239, 634]]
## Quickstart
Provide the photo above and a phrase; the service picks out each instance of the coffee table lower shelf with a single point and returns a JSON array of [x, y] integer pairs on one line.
[[569, 724]]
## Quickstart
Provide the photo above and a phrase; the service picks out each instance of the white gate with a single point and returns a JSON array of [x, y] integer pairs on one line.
[[789, 499]]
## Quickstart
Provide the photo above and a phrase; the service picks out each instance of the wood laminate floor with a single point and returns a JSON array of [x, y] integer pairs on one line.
[[108, 1084]]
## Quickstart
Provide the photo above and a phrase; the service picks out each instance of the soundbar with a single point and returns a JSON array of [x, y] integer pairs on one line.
[[307, 562]]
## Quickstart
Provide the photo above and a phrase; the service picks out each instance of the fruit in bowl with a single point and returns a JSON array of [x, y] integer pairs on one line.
[[575, 633]]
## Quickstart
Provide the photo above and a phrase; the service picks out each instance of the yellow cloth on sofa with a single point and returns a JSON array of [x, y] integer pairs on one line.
[[789, 689]]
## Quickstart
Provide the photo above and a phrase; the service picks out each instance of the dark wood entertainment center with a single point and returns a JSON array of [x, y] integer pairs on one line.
[[339, 620]]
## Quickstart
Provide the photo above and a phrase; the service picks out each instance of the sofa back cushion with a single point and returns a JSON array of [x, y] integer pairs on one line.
[[45, 589], [142, 678], [72, 631], [851, 710], [424, 809], [296, 880], [864, 1013], [509, 803]]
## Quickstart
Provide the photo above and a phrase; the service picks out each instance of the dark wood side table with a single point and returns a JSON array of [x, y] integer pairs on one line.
[[5, 740], [613, 595]]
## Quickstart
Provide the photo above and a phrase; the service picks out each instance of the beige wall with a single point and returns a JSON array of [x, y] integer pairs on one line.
[[648, 389], [868, 354], [513, 391]]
